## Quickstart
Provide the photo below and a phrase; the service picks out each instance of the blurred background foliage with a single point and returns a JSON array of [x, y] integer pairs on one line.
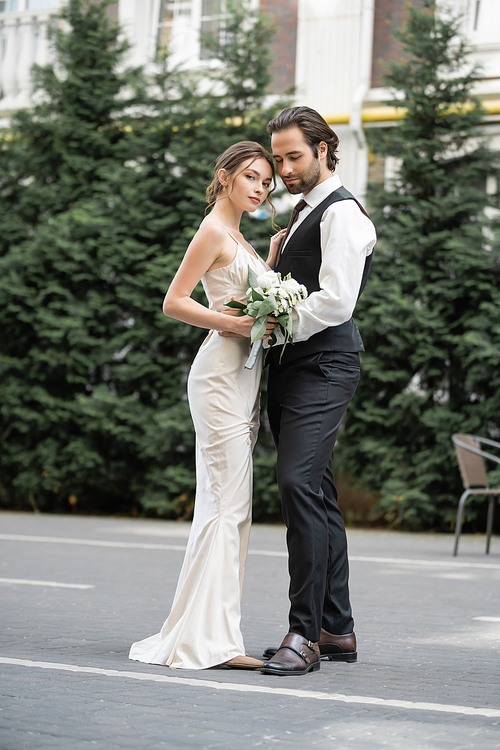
[[102, 185], [430, 315]]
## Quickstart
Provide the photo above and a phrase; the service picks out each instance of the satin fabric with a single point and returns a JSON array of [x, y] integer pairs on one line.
[[203, 627]]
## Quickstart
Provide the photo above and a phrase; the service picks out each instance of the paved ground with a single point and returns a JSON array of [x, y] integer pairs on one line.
[[428, 625]]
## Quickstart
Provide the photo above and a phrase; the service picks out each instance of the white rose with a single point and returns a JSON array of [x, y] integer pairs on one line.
[[291, 286], [268, 280]]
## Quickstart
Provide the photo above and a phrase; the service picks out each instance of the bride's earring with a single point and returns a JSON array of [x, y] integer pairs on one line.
[[222, 175]]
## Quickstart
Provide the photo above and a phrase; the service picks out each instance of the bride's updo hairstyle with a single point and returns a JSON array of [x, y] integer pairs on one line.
[[231, 161]]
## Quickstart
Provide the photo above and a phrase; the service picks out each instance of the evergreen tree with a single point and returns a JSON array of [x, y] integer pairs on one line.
[[61, 331], [430, 315], [103, 187]]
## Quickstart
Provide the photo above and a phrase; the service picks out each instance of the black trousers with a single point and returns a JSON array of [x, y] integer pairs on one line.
[[307, 400]]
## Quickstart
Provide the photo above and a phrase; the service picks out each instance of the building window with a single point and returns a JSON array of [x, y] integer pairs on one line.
[[8, 5], [212, 23], [3, 43], [172, 12], [484, 20], [39, 4], [182, 25]]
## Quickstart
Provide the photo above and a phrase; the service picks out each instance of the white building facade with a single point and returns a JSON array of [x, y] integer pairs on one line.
[[330, 49]]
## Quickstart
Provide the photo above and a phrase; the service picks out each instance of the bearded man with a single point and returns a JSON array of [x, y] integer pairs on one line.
[[327, 247]]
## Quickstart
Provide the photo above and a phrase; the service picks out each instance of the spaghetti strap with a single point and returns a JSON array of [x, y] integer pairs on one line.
[[252, 253], [232, 236], [227, 230]]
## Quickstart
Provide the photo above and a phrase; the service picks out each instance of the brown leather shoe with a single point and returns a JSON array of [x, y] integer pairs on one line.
[[338, 647], [332, 647], [296, 655]]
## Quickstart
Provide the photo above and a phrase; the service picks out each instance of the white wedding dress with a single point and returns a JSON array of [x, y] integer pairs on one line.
[[203, 627]]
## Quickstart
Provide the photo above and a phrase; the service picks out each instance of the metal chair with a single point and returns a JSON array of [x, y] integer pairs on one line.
[[470, 460]]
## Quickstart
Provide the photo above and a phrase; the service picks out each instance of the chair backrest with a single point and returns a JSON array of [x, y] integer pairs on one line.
[[471, 465]]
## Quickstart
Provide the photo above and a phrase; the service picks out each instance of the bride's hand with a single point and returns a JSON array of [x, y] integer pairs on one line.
[[228, 311], [242, 325], [274, 246]]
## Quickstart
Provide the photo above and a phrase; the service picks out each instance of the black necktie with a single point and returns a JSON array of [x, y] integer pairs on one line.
[[293, 218]]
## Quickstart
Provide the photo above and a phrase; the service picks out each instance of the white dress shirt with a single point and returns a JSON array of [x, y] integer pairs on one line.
[[347, 238]]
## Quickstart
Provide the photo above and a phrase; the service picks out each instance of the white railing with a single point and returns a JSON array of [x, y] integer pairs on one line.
[[23, 42]]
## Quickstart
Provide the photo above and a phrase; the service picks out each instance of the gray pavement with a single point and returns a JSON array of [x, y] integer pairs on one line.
[[428, 626]]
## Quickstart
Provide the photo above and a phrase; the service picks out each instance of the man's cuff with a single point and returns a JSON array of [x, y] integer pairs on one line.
[[280, 339]]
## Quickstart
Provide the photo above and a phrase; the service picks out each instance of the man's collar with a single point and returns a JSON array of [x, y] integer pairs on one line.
[[322, 191]]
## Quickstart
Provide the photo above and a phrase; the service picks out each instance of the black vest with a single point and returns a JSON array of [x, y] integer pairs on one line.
[[302, 258]]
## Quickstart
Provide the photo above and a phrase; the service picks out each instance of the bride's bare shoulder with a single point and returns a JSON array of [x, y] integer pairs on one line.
[[212, 230], [215, 239]]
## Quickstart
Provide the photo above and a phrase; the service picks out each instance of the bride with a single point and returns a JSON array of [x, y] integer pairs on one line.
[[203, 627]]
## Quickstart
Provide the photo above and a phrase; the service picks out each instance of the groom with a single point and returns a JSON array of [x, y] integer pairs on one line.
[[327, 247]]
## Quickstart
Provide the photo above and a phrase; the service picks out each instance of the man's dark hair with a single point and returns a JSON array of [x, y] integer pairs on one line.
[[314, 129]]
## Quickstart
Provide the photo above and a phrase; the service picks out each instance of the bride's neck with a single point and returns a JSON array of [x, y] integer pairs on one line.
[[225, 212]]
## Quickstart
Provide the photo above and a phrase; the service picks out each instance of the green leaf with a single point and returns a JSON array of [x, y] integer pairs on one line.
[[252, 278], [253, 309], [268, 306], [258, 329]]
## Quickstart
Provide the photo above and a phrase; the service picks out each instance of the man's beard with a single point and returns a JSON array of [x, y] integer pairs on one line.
[[307, 180]]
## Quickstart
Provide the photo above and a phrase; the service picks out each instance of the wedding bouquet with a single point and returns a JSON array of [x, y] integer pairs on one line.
[[269, 294]]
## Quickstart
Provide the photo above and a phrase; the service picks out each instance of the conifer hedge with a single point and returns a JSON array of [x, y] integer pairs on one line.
[[102, 186], [430, 314]]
